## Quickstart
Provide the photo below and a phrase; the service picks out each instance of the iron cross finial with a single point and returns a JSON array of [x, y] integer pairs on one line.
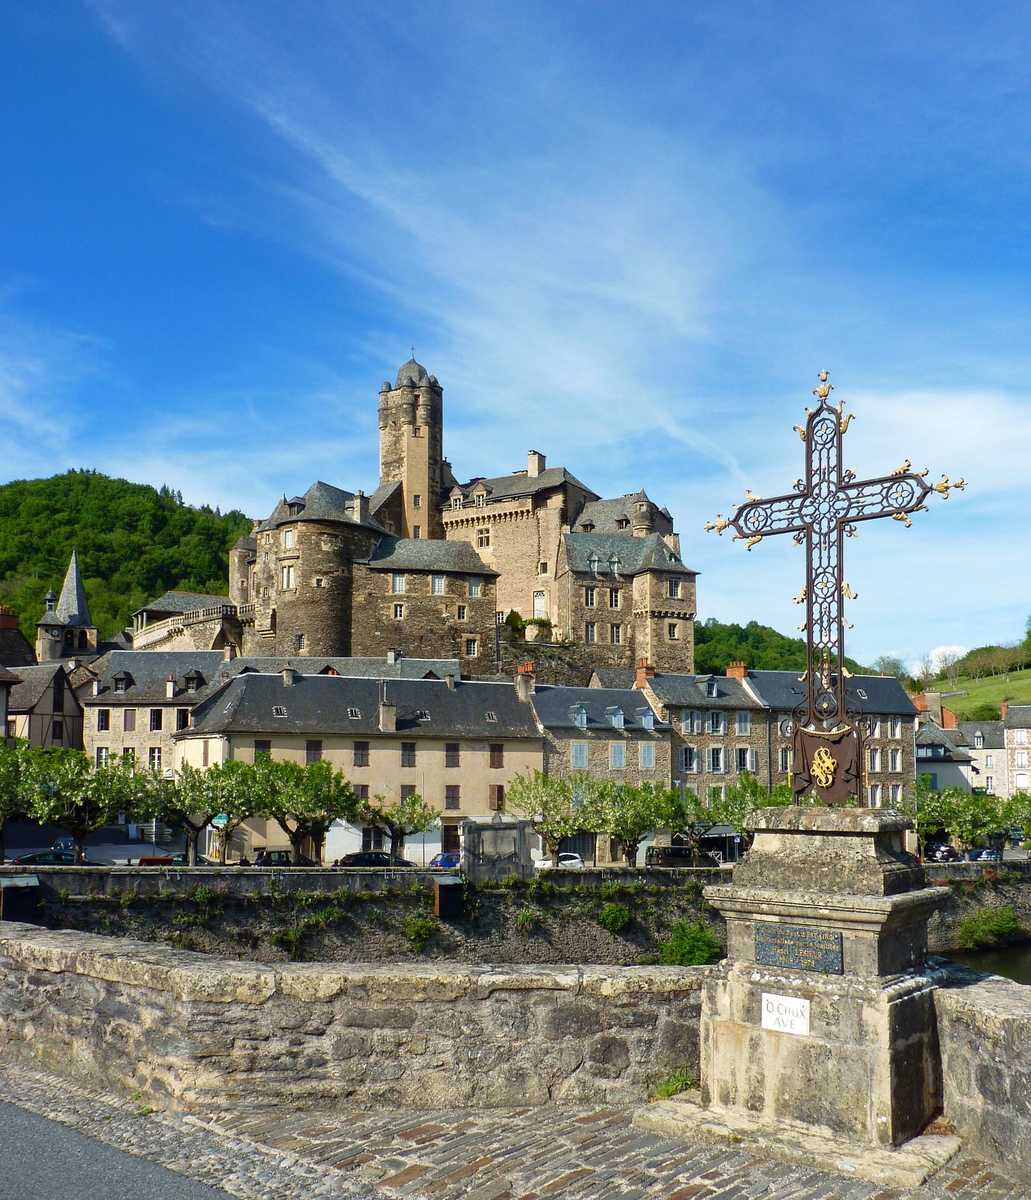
[[825, 388]]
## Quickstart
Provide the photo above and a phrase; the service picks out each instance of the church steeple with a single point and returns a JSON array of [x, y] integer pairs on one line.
[[67, 627]]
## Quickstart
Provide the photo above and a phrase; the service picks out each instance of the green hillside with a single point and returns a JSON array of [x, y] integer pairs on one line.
[[981, 695], [134, 542], [762, 648]]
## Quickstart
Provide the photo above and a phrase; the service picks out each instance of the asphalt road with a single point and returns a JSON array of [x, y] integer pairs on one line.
[[42, 1160]]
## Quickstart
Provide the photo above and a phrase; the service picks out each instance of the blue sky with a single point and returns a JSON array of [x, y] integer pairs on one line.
[[627, 235]]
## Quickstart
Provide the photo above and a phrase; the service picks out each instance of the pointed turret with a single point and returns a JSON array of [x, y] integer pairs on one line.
[[72, 606], [66, 628]]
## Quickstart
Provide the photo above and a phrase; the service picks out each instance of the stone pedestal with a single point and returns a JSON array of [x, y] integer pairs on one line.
[[820, 1024]]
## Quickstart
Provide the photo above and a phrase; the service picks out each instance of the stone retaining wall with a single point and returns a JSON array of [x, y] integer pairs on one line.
[[984, 1030], [195, 1032]]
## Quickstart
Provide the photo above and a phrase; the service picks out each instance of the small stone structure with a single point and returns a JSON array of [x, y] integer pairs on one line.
[[493, 850]]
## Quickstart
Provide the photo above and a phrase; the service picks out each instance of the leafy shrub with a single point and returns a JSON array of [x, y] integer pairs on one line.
[[673, 1085], [290, 939], [988, 927], [614, 917], [690, 944], [419, 928], [526, 920]]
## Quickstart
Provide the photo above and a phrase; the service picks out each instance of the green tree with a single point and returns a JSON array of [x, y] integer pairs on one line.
[[180, 803], [227, 794], [1017, 813], [14, 800], [64, 789], [305, 800], [555, 807], [628, 813], [404, 818]]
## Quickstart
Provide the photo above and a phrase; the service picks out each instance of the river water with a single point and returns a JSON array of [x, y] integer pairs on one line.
[[1012, 961]]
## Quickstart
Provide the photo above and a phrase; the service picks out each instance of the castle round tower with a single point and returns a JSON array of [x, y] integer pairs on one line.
[[411, 446]]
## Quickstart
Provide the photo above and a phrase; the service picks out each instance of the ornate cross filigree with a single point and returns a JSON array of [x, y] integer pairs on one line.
[[823, 510]]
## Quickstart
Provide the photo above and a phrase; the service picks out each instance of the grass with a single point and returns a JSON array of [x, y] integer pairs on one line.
[[1015, 687], [690, 944], [673, 1085], [993, 926]]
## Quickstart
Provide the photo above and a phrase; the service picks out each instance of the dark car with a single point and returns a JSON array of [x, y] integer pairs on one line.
[[280, 858], [943, 853], [373, 858], [678, 856], [448, 860], [53, 858]]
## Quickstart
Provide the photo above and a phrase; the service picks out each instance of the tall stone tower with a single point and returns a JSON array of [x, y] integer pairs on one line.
[[66, 628], [411, 438]]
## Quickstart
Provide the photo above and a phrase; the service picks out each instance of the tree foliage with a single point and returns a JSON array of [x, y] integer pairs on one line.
[[628, 813], [305, 800], [403, 818], [762, 648], [134, 542], [555, 807]]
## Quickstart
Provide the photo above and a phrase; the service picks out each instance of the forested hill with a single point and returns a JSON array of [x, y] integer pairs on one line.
[[759, 646], [134, 542]]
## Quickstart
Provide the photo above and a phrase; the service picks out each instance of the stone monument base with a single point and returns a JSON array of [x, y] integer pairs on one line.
[[906, 1166]]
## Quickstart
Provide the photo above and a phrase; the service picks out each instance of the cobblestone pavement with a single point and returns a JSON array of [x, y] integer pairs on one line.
[[529, 1154]]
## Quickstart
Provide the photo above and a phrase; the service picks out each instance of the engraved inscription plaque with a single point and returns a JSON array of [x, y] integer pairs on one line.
[[801, 947]]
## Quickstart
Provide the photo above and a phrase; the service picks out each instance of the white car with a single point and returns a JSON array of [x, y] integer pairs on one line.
[[566, 862]]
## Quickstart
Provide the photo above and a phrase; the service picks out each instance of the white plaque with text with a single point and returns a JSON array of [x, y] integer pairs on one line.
[[785, 1014]]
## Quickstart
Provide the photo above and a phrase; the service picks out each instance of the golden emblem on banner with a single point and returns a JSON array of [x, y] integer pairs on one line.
[[823, 768]]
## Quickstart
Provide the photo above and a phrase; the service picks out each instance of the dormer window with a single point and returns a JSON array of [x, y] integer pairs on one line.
[[614, 564], [481, 499], [194, 680], [623, 523], [587, 526], [615, 716], [594, 562], [711, 688], [647, 719], [862, 694], [122, 681], [579, 714], [456, 501], [422, 714]]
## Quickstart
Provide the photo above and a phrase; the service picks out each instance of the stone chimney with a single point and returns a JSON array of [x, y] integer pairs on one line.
[[449, 681], [534, 463], [737, 670], [7, 618], [96, 687], [229, 653], [387, 711], [289, 676], [525, 681], [934, 707], [644, 673], [361, 506], [1004, 708], [169, 687]]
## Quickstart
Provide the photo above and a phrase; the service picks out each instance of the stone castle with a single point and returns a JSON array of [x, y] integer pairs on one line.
[[430, 566]]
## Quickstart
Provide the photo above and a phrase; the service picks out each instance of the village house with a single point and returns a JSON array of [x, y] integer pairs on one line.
[[7, 681], [985, 742], [1016, 720], [43, 709]]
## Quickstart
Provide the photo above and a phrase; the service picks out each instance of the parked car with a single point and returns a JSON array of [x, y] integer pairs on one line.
[[448, 860], [373, 858], [281, 858], [63, 843], [678, 856], [986, 855], [943, 853], [567, 861], [53, 858]]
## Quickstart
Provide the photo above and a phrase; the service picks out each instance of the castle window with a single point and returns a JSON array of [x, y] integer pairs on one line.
[[416, 532], [613, 597], [589, 597], [672, 631], [578, 756], [540, 604], [399, 612], [475, 585], [262, 747], [452, 796], [617, 755], [456, 502], [590, 633], [128, 756], [785, 758], [129, 720], [278, 711], [299, 641], [103, 720], [289, 539], [496, 797], [397, 582], [690, 760], [744, 723], [481, 499], [542, 568], [673, 588], [471, 647], [716, 760], [896, 727], [288, 577], [461, 612], [616, 634], [482, 538], [437, 585], [318, 581], [408, 750], [895, 758], [417, 501], [103, 754], [716, 724], [623, 523], [155, 719], [497, 754], [182, 718], [646, 756]]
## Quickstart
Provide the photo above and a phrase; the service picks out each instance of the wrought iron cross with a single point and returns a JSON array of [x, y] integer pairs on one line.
[[821, 512]]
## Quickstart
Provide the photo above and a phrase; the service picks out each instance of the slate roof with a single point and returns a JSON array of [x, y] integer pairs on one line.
[[321, 502], [33, 682], [425, 554], [175, 601], [555, 707], [8, 676], [319, 704], [689, 691], [635, 554], [930, 734], [604, 515], [993, 733], [382, 494], [1018, 716], [149, 670], [411, 373], [880, 694], [15, 650], [508, 487], [71, 609], [614, 677]]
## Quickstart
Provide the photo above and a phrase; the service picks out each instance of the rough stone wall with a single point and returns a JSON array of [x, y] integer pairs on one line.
[[703, 779], [577, 612], [411, 425], [140, 740], [984, 1028], [195, 1032], [430, 627], [654, 611], [558, 754]]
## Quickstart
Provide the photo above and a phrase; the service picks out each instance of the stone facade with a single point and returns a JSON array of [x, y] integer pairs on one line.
[[1016, 719], [193, 1032]]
